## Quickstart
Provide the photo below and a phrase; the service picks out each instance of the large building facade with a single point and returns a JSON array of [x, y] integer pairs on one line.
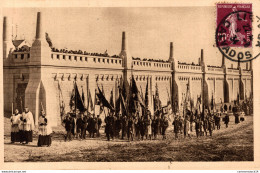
[[38, 77]]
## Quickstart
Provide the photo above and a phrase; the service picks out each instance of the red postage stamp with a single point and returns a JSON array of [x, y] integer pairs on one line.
[[234, 30], [234, 25]]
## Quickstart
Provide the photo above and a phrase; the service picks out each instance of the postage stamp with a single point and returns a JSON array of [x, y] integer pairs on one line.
[[234, 31]]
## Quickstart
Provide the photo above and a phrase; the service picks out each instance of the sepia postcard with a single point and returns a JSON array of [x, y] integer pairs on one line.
[[130, 85]]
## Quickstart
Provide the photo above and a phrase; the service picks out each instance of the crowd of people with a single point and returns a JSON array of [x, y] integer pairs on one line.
[[121, 127], [133, 127]]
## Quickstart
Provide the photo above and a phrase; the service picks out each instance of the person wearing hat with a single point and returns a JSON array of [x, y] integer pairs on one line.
[[68, 121], [186, 126], [165, 125], [124, 122], [149, 126], [44, 131], [138, 127], [181, 124], [93, 126], [235, 111], [192, 118], [205, 124], [176, 125], [130, 128], [214, 116], [157, 127], [117, 126], [85, 125], [81, 126], [217, 120], [26, 126], [142, 127], [226, 119], [15, 120], [198, 126], [109, 129], [210, 124]]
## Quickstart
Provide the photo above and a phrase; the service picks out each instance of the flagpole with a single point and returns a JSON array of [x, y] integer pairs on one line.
[[75, 98], [59, 96], [21, 104], [82, 97], [95, 101]]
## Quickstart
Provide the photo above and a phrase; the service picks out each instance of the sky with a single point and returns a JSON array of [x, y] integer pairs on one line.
[[149, 30]]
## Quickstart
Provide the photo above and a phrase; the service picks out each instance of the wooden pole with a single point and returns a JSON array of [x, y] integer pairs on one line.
[[12, 108]]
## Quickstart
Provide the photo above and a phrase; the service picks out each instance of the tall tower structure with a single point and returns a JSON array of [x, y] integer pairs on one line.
[[126, 58], [124, 54], [204, 88], [39, 88], [171, 59], [8, 46], [174, 89]]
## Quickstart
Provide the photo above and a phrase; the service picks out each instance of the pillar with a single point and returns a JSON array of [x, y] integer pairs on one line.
[[8, 46], [40, 88], [171, 52]]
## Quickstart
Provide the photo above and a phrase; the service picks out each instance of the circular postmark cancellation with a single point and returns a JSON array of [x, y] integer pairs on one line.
[[234, 36]]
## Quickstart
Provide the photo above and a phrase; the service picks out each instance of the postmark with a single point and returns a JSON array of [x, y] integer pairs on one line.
[[234, 31]]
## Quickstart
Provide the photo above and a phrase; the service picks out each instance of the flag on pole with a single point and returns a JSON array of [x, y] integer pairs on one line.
[[198, 106], [90, 107], [157, 101], [72, 99], [238, 98], [61, 101], [212, 102], [103, 100], [112, 99], [83, 96], [79, 101], [102, 89], [188, 97], [146, 99]]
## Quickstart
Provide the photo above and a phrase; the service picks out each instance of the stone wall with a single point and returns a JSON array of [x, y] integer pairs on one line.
[[41, 71]]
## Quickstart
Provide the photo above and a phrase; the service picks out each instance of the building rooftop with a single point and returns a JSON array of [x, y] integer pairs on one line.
[[17, 43]]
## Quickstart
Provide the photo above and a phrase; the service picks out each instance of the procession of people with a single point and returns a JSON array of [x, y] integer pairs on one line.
[[121, 127], [130, 119]]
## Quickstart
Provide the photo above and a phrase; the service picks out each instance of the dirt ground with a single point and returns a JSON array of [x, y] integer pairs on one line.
[[234, 143]]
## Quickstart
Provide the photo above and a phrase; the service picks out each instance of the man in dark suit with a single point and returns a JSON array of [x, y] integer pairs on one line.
[[226, 119], [81, 126], [109, 130], [68, 121], [93, 126], [124, 122]]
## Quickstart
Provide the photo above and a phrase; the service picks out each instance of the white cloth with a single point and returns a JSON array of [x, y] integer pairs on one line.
[[15, 121], [29, 124]]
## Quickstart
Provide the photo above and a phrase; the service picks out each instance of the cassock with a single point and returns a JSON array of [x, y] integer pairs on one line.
[[44, 132], [15, 120], [26, 127]]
